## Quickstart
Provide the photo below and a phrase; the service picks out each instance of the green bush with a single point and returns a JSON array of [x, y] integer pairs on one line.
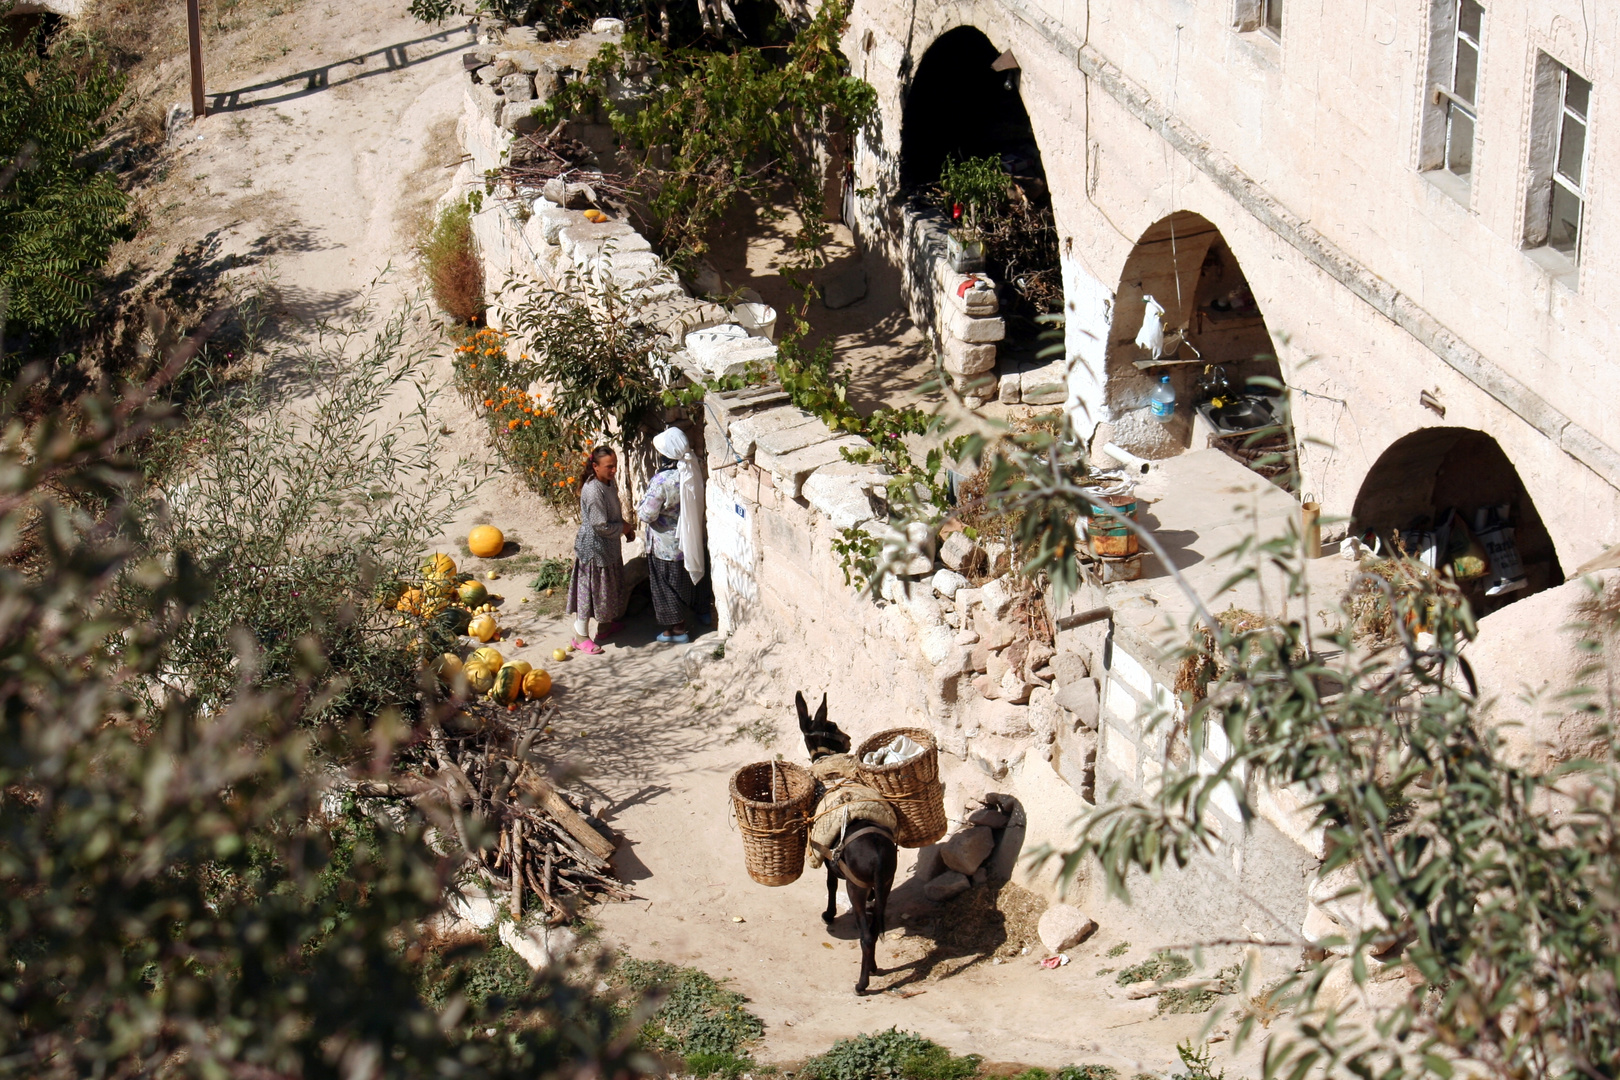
[[60, 212], [450, 262], [728, 1065], [698, 1015], [889, 1055]]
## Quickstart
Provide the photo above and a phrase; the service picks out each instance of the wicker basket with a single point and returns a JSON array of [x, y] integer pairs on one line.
[[772, 803], [912, 787]]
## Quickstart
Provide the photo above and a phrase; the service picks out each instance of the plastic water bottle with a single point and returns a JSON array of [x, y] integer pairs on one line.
[[1163, 401]]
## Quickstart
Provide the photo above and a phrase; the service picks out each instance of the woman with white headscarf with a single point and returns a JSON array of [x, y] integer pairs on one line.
[[673, 511]]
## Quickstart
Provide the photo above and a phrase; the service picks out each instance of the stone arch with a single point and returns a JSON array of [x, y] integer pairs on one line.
[[1211, 319], [1423, 475]]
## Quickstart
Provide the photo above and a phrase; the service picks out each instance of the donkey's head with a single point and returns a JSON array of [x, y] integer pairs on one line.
[[821, 736]]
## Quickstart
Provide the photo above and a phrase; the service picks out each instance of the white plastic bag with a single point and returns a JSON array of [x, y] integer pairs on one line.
[[1151, 336], [900, 750]]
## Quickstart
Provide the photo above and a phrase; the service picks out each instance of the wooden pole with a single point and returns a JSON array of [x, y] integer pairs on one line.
[[199, 107]]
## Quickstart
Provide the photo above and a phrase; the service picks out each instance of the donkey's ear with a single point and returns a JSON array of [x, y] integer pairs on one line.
[[821, 713], [804, 712]]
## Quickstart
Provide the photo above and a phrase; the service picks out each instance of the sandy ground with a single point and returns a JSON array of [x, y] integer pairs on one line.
[[315, 173]]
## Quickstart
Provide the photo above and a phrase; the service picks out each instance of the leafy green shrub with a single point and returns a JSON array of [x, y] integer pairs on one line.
[[698, 1015], [728, 1065], [1087, 1072], [294, 516], [554, 574], [1162, 966], [60, 213], [182, 896], [975, 188], [889, 1055], [450, 261]]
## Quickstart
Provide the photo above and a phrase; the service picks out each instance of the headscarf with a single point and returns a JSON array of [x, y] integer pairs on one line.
[[672, 444]]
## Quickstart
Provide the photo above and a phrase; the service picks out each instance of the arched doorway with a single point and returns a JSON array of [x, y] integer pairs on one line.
[[1218, 353], [1422, 477], [965, 102]]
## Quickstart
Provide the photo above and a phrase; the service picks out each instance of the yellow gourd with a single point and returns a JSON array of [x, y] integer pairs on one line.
[[479, 676], [537, 684], [410, 602], [508, 684], [450, 666], [485, 541], [523, 666], [440, 566], [489, 657], [483, 627]]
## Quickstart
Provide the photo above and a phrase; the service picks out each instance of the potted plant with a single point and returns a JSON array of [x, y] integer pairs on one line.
[[972, 190]]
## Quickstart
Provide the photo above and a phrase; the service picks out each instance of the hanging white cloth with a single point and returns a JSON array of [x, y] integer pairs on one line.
[[672, 444], [1151, 336]]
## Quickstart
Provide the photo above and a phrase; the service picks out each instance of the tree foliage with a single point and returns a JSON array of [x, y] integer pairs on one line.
[[1492, 888], [186, 893], [59, 212], [716, 125]]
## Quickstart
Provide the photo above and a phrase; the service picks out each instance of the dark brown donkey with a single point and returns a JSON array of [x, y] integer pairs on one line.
[[865, 855]]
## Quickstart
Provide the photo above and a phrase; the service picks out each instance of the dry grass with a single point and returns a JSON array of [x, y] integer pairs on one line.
[[451, 264]]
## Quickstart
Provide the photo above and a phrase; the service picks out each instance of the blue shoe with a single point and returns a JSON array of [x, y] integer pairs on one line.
[[674, 639]]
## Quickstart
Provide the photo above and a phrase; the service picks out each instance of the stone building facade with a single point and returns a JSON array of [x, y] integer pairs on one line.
[[1413, 190]]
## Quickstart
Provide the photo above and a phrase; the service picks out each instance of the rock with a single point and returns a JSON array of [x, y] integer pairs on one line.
[[997, 596], [958, 552], [991, 817], [968, 849], [1045, 385], [500, 69], [1015, 688], [929, 864], [1081, 699], [996, 666], [975, 330], [607, 26], [985, 685], [1064, 926], [1069, 667], [945, 886], [967, 637], [1007, 390], [938, 644], [566, 195], [971, 294], [1040, 653], [961, 358], [995, 634], [844, 288], [980, 876], [1044, 715], [947, 582], [540, 946], [1004, 715]]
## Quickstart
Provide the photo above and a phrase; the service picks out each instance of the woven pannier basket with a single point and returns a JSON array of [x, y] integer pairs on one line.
[[772, 803], [912, 787]]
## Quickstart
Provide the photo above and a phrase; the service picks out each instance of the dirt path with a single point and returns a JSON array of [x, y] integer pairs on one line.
[[315, 174]]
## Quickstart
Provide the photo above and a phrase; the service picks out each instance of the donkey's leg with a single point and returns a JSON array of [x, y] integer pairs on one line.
[[832, 895], [858, 899], [880, 901]]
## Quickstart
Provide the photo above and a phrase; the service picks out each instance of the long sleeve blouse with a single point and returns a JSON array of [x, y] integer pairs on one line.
[[601, 524]]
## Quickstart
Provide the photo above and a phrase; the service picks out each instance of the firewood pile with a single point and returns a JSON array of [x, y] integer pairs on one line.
[[551, 156], [488, 761]]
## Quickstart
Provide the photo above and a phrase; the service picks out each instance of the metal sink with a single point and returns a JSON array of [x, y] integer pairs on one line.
[[1246, 412]]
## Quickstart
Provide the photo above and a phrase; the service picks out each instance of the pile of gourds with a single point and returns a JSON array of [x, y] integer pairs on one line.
[[460, 605]]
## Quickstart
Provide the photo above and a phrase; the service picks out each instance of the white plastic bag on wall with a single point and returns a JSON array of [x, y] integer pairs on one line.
[[1151, 336]]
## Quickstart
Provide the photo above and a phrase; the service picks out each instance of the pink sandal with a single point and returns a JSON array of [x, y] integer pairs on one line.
[[586, 645]]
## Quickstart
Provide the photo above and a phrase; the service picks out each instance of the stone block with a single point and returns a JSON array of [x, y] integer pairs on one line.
[[793, 468], [1080, 698], [938, 645], [631, 269], [501, 68], [992, 817], [842, 500], [746, 431], [1004, 715], [1064, 926], [584, 238], [1069, 667], [966, 851], [517, 87], [1015, 688], [945, 886], [782, 441], [488, 101], [956, 552], [1009, 390], [987, 688], [518, 118], [997, 596], [540, 946], [975, 330], [970, 294], [1045, 385], [961, 358], [844, 288], [948, 582], [727, 350], [555, 219]]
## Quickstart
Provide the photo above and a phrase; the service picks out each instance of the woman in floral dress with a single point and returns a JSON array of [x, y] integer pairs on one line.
[[596, 590]]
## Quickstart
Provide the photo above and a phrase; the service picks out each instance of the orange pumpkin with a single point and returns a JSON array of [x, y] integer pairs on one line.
[[537, 683], [485, 541]]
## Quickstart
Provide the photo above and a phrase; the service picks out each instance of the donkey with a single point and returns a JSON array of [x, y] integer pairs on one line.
[[865, 856]]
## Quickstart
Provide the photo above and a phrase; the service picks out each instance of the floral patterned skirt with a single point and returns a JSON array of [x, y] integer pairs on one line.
[[596, 591]]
